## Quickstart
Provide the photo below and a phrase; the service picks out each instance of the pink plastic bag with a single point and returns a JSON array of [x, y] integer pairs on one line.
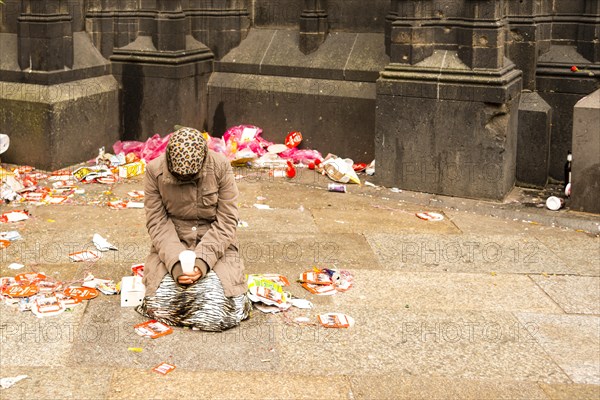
[[305, 156], [148, 150], [244, 137]]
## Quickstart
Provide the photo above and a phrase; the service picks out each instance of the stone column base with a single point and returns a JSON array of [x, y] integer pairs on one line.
[[161, 89], [443, 128], [53, 126]]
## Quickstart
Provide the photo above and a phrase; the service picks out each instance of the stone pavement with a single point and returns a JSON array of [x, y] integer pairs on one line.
[[493, 302]]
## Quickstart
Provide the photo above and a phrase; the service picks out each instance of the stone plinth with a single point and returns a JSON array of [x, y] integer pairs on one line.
[[54, 126], [585, 170], [161, 89], [450, 132], [533, 144]]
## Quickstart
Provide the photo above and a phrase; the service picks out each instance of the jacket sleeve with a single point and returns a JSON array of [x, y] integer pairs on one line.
[[160, 227], [221, 233]]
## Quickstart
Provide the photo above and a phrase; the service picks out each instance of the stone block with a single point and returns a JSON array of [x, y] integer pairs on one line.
[[161, 90], [334, 116], [444, 145], [586, 154], [53, 126], [533, 143]]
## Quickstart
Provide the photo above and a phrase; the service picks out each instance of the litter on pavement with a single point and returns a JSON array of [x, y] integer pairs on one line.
[[5, 383], [326, 282]]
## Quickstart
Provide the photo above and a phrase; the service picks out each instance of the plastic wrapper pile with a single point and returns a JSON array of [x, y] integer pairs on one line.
[[268, 295], [46, 297]]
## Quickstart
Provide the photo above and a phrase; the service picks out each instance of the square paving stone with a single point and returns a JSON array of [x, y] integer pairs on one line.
[[574, 294], [448, 344], [572, 341], [184, 384], [465, 253], [51, 383]]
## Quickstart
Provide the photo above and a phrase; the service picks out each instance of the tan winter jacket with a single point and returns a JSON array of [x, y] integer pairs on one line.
[[199, 215]]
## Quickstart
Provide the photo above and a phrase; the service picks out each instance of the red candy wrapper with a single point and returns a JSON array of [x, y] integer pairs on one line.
[[293, 139]]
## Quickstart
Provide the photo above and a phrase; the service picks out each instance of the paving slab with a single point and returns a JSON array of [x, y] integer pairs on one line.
[[469, 345], [475, 223], [422, 291], [574, 294], [465, 253], [278, 220], [572, 341], [579, 251], [28, 341], [569, 392], [52, 382], [305, 250], [107, 332], [382, 220], [52, 233], [309, 188], [184, 384], [392, 387]]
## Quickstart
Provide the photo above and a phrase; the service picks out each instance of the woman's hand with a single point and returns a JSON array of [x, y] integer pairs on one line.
[[188, 279]]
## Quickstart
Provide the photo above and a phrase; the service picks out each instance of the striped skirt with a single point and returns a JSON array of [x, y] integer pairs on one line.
[[201, 305]]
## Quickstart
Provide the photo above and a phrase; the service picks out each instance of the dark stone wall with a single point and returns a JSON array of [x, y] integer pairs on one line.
[[322, 66], [343, 15]]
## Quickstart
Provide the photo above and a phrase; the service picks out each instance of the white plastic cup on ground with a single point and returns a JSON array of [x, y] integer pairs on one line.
[[4, 143], [188, 260], [554, 203]]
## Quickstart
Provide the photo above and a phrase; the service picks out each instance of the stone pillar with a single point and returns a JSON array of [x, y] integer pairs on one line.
[[588, 44], [314, 26], [220, 25], [163, 74], [112, 24], [45, 36], [446, 117], [481, 40], [411, 39], [585, 171], [529, 36], [58, 101], [574, 43], [533, 144]]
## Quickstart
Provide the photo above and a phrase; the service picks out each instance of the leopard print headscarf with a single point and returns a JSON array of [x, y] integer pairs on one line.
[[186, 152]]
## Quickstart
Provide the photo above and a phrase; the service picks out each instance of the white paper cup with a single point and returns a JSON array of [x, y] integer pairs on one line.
[[188, 260], [554, 203], [4, 143]]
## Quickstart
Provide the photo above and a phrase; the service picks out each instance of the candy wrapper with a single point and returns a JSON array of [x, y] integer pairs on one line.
[[81, 293], [91, 174], [430, 216], [279, 279], [326, 281], [153, 329], [269, 293], [47, 306], [138, 270], [164, 368], [132, 169], [14, 216], [335, 320]]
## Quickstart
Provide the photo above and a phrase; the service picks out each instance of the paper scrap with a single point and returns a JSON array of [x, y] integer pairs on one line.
[[5, 383], [102, 244]]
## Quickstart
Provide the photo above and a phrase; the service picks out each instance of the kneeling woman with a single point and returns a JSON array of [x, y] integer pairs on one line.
[[190, 202]]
